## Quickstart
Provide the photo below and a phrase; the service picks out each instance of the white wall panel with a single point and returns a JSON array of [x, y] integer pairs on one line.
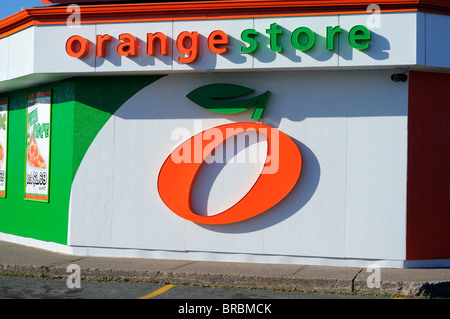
[[376, 169], [421, 38], [299, 108], [437, 40], [347, 141], [50, 50], [139, 217], [21, 53], [91, 203], [394, 42], [4, 59]]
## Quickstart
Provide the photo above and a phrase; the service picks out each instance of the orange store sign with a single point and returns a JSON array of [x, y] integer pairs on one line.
[[188, 42], [176, 179], [282, 165]]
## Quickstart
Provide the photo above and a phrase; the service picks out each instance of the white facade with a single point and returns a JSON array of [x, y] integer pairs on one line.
[[354, 153], [341, 108], [399, 40]]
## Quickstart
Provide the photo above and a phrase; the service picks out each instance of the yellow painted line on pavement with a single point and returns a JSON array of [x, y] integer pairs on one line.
[[157, 292]]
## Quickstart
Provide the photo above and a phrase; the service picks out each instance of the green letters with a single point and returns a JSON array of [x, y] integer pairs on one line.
[[32, 118], [40, 129], [311, 39], [274, 32], [304, 39], [3, 122], [359, 37], [248, 36], [331, 32]]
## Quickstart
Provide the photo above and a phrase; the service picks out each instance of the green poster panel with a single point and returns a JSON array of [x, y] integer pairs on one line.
[[3, 145], [38, 147]]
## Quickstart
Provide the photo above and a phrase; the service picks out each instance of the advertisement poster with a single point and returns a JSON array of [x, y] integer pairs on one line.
[[38, 146], [3, 144]]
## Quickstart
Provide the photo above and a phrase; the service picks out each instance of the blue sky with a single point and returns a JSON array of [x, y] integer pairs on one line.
[[9, 7]]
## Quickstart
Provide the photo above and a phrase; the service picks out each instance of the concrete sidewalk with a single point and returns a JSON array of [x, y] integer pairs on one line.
[[21, 260]]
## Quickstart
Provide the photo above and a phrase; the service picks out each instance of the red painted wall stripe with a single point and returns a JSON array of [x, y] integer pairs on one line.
[[428, 216]]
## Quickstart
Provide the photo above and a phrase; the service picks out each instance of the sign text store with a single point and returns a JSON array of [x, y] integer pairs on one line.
[[188, 42]]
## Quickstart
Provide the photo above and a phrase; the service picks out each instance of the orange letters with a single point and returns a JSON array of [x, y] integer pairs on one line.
[[77, 46], [129, 45], [218, 38], [187, 44], [101, 44], [163, 42]]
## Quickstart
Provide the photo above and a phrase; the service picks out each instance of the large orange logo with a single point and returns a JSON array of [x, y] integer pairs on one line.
[[279, 175]]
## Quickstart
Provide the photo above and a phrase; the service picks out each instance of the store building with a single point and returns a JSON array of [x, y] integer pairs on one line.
[[121, 123]]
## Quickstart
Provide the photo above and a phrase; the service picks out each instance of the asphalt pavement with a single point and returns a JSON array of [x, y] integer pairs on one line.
[[407, 283]]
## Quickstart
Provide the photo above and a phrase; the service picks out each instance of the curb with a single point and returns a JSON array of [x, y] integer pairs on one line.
[[358, 285]]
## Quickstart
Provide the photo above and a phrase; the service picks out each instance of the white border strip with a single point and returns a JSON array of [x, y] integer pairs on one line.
[[219, 257]]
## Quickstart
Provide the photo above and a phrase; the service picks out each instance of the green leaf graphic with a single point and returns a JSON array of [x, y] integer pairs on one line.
[[221, 98]]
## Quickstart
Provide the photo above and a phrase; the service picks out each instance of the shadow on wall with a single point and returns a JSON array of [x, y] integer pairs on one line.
[[378, 50], [294, 95], [291, 204]]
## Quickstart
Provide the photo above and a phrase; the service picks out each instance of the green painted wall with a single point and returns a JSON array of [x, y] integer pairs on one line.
[[80, 108], [44, 221]]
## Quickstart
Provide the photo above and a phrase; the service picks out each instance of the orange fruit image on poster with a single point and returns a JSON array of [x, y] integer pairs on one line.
[[33, 156], [2, 154]]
